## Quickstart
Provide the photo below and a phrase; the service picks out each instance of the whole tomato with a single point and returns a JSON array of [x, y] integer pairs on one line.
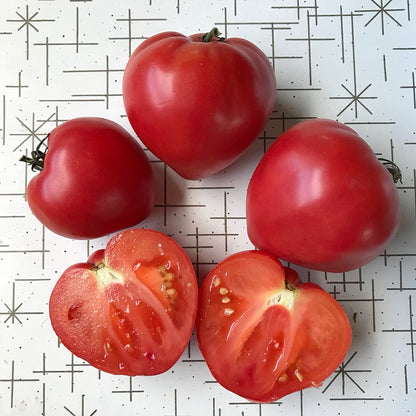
[[321, 199], [95, 179], [130, 309], [197, 102], [263, 333]]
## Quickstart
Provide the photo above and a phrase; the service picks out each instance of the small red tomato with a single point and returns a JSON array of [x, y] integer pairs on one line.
[[131, 309], [321, 199], [95, 179], [264, 334], [198, 102]]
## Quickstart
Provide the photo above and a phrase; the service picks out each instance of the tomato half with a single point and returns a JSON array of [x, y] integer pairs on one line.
[[95, 179], [263, 335], [198, 102], [131, 309], [321, 199]]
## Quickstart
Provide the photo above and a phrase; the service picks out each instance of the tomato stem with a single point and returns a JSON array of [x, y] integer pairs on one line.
[[207, 37], [37, 156], [394, 170]]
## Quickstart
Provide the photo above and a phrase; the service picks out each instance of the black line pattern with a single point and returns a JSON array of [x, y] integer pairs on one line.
[[353, 61]]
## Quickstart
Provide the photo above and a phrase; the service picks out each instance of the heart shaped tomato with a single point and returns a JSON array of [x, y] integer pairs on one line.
[[321, 199], [95, 179], [131, 309], [264, 334], [198, 102]]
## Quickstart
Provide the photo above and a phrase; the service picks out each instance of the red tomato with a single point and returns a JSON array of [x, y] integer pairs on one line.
[[96, 179], [321, 199], [197, 105], [264, 337], [131, 309]]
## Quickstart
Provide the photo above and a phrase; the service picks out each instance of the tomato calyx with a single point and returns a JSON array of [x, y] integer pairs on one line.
[[394, 170], [37, 156], [214, 33]]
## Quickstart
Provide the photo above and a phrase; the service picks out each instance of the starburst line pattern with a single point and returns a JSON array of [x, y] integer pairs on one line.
[[344, 373], [14, 311], [83, 413], [27, 22], [355, 99], [33, 131], [383, 12]]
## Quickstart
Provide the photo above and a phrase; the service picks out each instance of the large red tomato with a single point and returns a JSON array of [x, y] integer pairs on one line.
[[321, 199], [264, 334], [198, 102], [95, 179], [131, 309]]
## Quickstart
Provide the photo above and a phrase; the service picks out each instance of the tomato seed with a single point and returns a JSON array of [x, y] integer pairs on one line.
[[298, 375], [283, 378], [172, 293], [228, 311]]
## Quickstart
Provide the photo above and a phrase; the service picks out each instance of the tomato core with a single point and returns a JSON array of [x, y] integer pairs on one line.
[[106, 275]]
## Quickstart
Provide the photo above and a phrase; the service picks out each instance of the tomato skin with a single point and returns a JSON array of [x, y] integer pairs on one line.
[[96, 180], [321, 199], [132, 310], [197, 106], [264, 337]]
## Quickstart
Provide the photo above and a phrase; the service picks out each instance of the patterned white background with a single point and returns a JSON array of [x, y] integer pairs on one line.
[[350, 60]]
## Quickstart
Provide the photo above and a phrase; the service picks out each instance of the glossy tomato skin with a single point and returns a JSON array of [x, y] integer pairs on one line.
[[197, 106], [264, 336], [96, 180], [131, 308], [321, 199]]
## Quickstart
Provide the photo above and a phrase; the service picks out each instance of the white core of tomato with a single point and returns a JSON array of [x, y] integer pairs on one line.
[[283, 297], [106, 275]]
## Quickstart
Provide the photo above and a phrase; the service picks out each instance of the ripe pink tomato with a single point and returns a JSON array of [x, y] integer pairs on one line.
[[321, 199], [95, 179], [197, 102]]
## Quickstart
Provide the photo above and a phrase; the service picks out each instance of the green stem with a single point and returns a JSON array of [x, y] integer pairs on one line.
[[394, 170], [207, 37], [37, 157]]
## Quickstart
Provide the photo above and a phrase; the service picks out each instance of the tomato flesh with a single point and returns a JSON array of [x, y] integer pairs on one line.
[[263, 337], [130, 309]]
